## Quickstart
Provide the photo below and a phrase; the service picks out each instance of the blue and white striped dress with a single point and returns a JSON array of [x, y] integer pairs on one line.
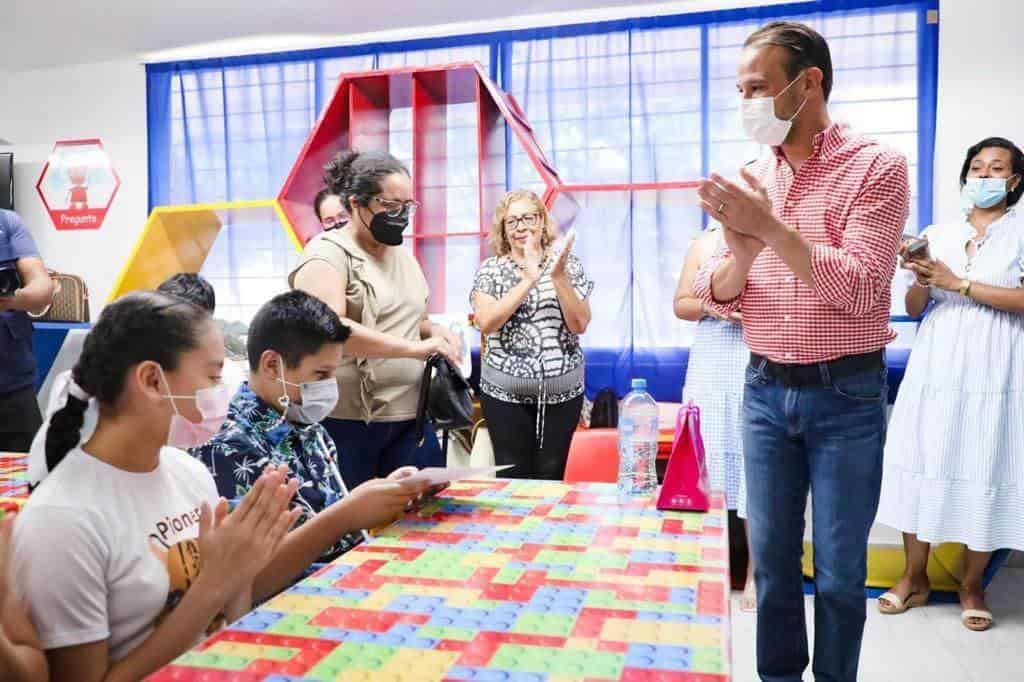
[[954, 456], [714, 381]]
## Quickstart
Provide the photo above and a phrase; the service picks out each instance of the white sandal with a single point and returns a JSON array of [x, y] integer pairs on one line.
[[897, 605], [977, 614]]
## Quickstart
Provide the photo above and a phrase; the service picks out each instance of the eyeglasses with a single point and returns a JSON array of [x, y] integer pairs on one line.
[[529, 220], [332, 221], [395, 207]]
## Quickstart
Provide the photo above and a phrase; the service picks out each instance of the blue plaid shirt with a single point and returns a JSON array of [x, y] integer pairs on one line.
[[254, 436]]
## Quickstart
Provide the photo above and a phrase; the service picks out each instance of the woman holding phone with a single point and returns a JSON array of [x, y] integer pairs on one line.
[[954, 456]]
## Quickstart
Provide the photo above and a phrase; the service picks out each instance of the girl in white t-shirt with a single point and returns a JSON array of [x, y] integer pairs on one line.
[[184, 285], [109, 548]]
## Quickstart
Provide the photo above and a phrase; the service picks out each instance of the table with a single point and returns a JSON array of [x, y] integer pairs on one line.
[[13, 481], [499, 580]]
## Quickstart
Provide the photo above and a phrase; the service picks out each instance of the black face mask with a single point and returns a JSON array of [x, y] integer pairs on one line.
[[388, 230]]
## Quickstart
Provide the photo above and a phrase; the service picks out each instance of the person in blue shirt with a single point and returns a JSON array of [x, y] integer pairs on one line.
[[294, 347], [19, 412]]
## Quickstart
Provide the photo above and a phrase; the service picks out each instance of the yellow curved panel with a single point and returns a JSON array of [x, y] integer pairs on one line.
[[179, 238], [886, 564]]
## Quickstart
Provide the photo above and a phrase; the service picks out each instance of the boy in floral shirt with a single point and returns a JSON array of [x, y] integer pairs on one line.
[[294, 347]]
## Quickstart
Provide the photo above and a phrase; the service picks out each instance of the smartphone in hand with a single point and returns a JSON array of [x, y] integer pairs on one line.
[[915, 248]]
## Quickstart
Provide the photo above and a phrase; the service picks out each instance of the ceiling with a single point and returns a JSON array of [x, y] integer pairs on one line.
[[43, 33]]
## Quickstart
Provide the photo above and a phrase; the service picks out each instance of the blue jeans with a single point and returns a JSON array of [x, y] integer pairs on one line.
[[376, 449], [829, 440]]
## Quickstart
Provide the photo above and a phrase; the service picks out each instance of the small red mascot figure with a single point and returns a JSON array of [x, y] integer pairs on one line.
[[78, 192]]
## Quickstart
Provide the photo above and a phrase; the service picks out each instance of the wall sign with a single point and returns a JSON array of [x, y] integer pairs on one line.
[[78, 184]]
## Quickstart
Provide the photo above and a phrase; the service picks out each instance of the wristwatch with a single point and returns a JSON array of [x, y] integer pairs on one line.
[[965, 288]]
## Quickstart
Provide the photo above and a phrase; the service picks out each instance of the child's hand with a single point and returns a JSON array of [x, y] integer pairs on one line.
[[236, 546], [379, 502]]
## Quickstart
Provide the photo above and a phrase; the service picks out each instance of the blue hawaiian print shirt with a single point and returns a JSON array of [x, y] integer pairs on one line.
[[254, 436]]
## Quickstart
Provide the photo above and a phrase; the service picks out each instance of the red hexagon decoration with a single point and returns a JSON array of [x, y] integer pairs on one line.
[[418, 113], [449, 124], [78, 184], [362, 115]]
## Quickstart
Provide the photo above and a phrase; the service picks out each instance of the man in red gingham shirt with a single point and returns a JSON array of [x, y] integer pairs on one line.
[[813, 233]]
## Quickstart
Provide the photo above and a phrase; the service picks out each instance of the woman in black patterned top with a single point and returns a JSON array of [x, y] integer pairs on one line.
[[531, 306]]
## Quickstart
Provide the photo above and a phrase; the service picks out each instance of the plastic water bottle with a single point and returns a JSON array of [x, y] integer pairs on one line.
[[638, 442]]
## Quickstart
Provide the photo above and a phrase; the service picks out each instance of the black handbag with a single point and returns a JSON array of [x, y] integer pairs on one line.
[[445, 397]]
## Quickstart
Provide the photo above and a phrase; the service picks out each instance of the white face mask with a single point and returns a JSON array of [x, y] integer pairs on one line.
[[318, 400], [759, 121]]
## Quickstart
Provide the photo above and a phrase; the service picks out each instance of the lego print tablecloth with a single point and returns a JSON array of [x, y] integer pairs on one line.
[[499, 580], [13, 481]]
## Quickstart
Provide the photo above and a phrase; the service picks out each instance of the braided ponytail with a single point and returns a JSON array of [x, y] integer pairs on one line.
[[65, 430]]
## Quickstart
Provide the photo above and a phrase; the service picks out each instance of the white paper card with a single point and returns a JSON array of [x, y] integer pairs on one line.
[[437, 475]]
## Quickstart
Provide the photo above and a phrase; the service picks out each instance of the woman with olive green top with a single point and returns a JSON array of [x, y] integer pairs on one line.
[[363, 273]]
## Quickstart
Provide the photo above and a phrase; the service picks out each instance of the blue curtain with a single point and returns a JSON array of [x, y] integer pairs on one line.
[[646, 100], [659, 105]]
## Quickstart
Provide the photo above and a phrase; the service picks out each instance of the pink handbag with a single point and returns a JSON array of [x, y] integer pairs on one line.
[[685, 487]]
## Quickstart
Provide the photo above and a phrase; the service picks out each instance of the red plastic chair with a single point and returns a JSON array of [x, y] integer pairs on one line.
[[593, 457]]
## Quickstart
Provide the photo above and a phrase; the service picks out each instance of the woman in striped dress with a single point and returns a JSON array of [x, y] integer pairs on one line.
[[954, 457], [714, 382]]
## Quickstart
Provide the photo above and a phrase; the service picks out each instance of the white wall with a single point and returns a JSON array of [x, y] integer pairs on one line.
[[105, 100], [981, 54]]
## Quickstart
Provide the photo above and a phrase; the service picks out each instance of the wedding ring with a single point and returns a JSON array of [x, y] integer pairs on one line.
[[721, 207]]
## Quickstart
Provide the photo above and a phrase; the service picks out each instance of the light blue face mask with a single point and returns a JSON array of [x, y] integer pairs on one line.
[[983, 192], [318, 400]]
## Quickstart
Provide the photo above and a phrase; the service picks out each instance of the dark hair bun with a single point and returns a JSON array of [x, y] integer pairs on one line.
[[338, 171], [358, 174]]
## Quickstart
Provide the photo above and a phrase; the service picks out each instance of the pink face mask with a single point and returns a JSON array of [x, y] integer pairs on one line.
[[212, 404]]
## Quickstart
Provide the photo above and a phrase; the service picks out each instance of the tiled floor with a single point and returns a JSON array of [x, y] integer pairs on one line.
[[923, 645]]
